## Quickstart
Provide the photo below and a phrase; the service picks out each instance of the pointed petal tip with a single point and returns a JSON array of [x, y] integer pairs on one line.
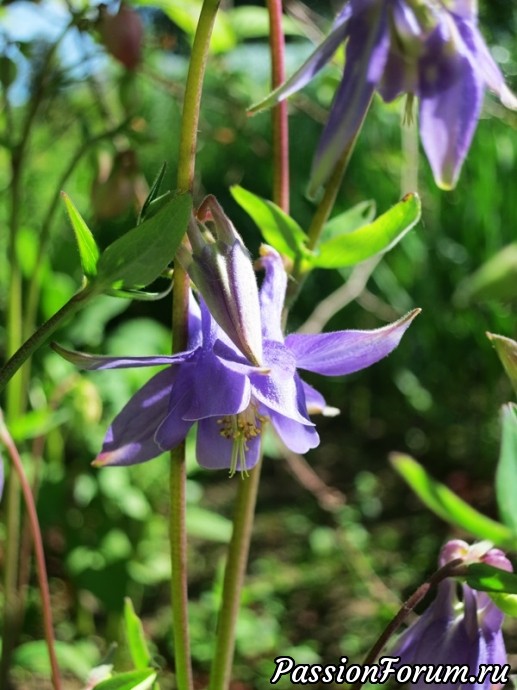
[[103, 459], [508, 98]]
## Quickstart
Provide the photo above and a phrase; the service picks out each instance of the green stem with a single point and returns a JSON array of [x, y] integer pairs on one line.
[[179, 591], [6, 439], [222, 662], [78, 301], [450, 569], [279, 112], [193, 91], [321, 216], [186, 170]]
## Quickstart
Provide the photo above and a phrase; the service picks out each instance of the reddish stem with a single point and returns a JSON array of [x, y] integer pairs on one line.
[[41, 568], [279, 112]]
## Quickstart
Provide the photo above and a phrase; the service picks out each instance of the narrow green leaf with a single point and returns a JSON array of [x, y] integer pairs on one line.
[[348, 249], [138, 257], [506, 348], [141, 295], [486, 578], [88, 250], [277, 228], [506, 473], [132, 680], [135, 637], [153, 193], [348, 221], [447, 505]]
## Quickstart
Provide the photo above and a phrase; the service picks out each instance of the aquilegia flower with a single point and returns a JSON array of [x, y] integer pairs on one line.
[[464, 633], [213, 384], [431, 49]]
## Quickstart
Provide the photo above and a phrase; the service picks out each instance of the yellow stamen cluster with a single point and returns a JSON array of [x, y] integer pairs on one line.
[[240, 428]]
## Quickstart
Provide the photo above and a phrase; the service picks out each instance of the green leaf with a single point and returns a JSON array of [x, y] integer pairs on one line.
[[277, 228], [486, 578], [447, 505], [132, 680], [507, 350], [88, 250], [506, 473], [185, 14], [153, 193], [135, 637], [506, 602], [350, 248], [348, 221], [138, 257], [139, 294]]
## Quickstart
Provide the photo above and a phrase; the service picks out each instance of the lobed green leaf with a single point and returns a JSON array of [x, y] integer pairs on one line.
[[277, 228], [350, 248], [139, 257]]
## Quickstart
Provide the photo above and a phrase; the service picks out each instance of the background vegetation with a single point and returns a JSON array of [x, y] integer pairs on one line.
[[336, 544]]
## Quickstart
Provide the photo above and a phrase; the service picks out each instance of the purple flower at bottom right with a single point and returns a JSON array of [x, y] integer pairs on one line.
[[457, 631]]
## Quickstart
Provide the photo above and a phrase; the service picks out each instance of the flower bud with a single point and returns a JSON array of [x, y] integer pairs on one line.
[[121, 34], [220, 267]]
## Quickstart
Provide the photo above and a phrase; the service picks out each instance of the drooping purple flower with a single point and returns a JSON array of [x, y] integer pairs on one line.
[[213, 384], [431, 49], [220, 267], [454, 632]]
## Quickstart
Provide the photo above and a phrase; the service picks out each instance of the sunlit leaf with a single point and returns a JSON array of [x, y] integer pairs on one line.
[[185, 14], [350, 248], [135, 637], [348, 221], [138, 257], [507, 350], [506, 602], [486, 578], [506, 474], [442, 501], [132, 680], [277, 228], [88, 250]]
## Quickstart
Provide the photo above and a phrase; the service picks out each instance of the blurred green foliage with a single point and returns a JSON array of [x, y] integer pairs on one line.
[[326, 572]]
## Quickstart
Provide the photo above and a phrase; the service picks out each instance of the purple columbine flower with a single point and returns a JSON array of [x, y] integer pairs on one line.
[[450, 631], [213, 384], [221, 269], [431, 49]]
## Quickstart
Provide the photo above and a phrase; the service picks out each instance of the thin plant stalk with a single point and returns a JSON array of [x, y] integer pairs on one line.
[[451, 569], [41, 569], [279, 112], [321, 216], [222, 662], [177, 522]]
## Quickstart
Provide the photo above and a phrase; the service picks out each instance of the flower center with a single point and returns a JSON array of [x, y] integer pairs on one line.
[[241, 428]]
